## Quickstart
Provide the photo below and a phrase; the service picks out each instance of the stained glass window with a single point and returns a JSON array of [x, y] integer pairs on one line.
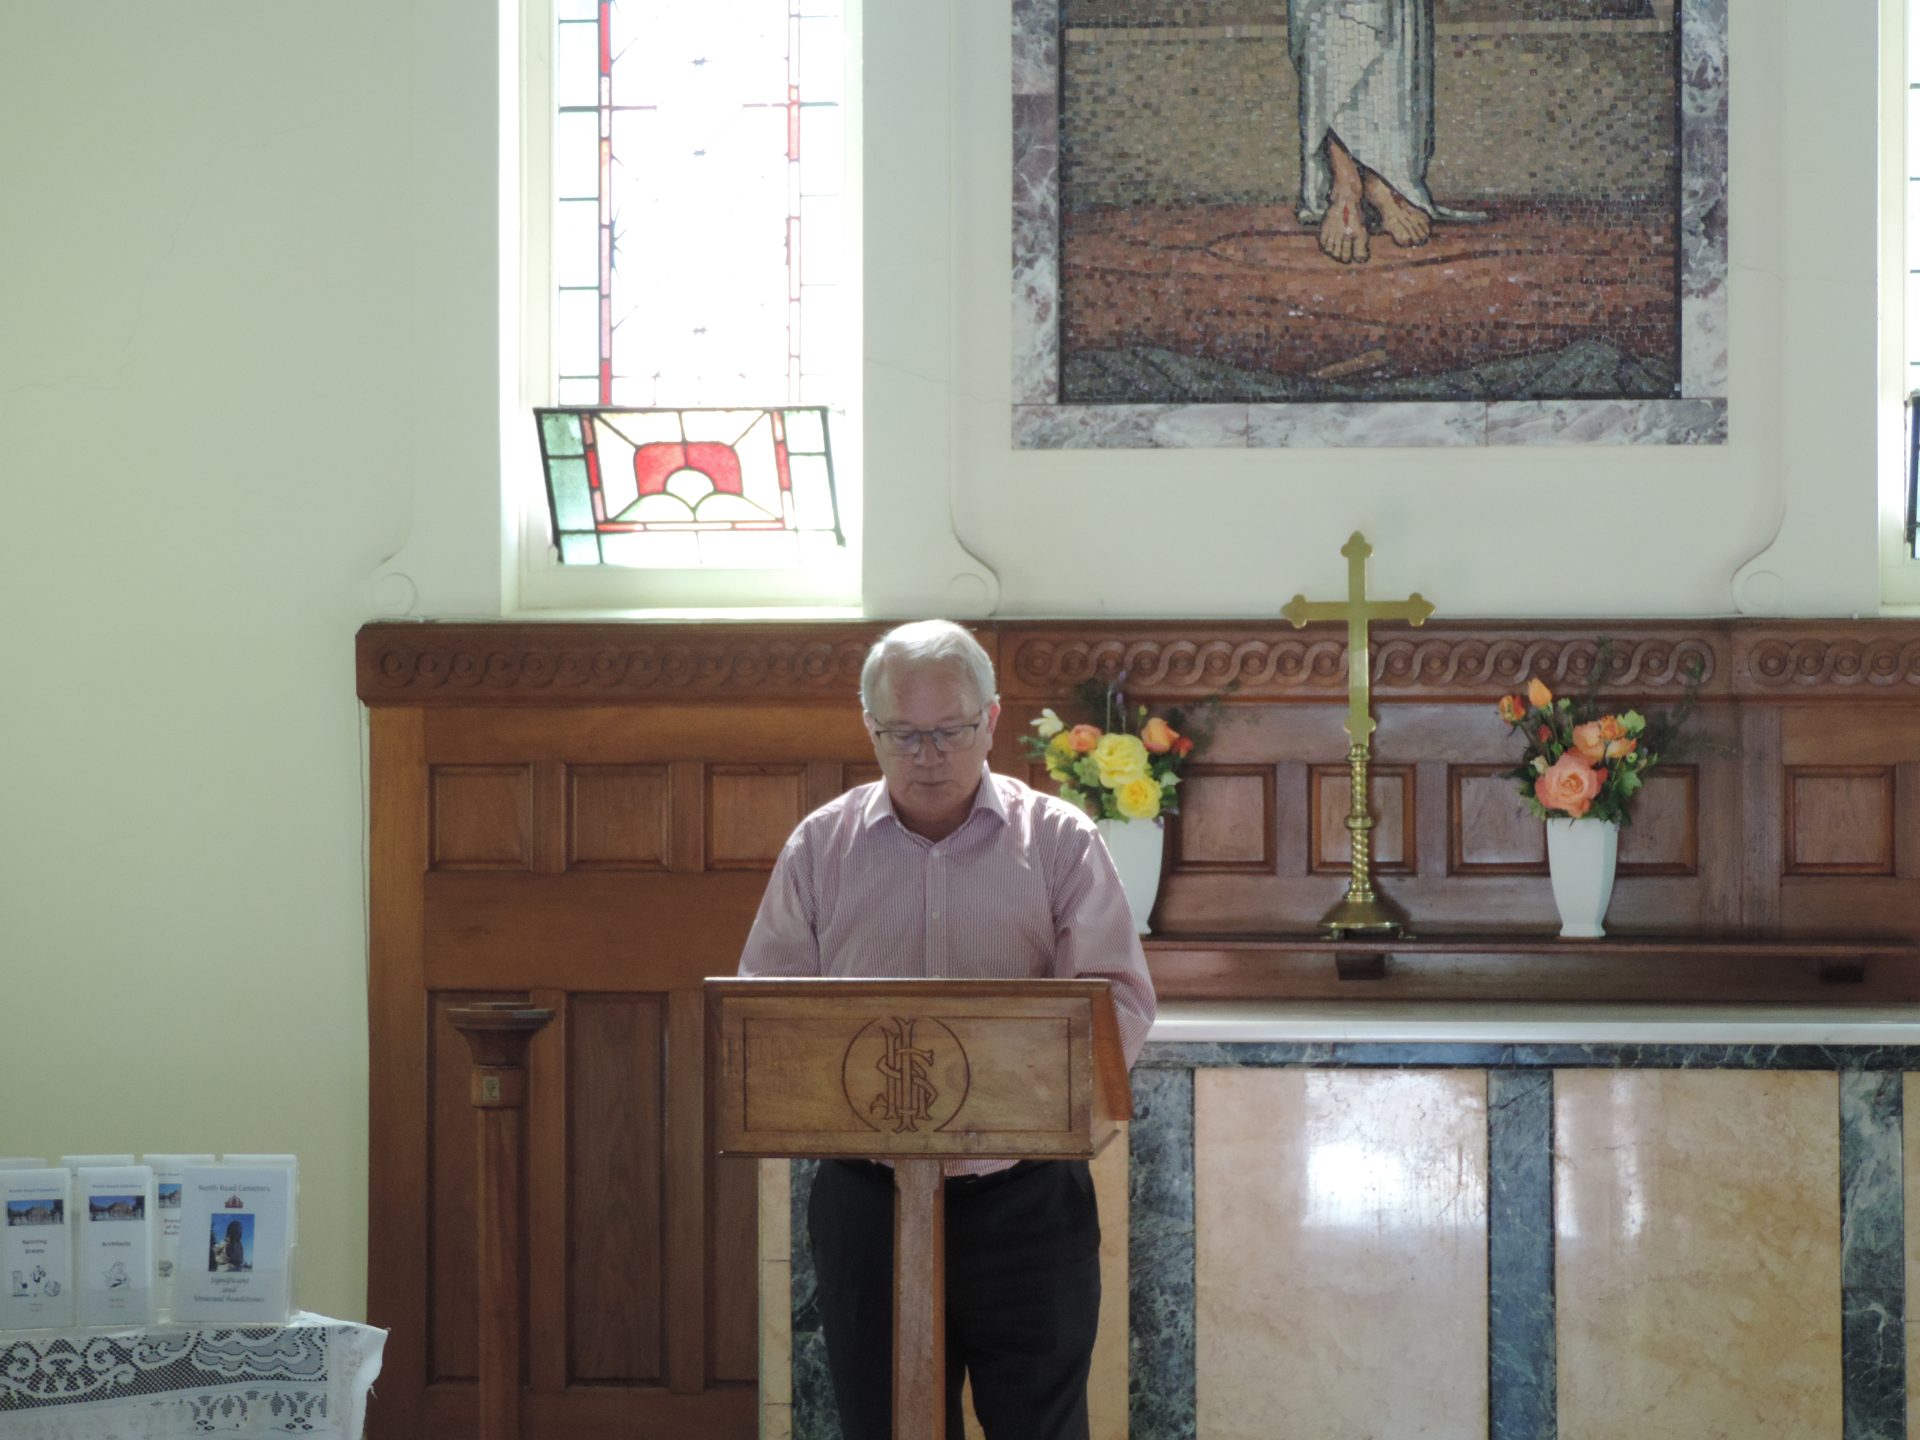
[[691, 488], [698, 166]]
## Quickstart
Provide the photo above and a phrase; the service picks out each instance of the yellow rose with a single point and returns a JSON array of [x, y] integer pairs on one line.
[[1062, 743], [1121, 758], [1538, 693], [1138, 799]]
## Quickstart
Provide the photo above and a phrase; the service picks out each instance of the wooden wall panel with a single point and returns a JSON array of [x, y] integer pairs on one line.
[[1488, 833], [733, 1260], [586, 813], [615, 1188], [1664, 838], [618, 817], [751, 810], [1226, 821], [480, 817], [1391, 799], [450, 1200], [1839, 820]]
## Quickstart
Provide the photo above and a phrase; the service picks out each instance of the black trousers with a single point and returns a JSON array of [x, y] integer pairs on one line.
[[1023, 1296]]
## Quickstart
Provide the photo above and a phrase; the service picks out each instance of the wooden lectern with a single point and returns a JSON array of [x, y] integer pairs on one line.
[[915, 1072]]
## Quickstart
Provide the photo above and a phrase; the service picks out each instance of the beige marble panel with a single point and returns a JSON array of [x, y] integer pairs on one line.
[[1697, 1254], [776, 1300], [1107, 1385], [1910, 1138], [1340, 1254]]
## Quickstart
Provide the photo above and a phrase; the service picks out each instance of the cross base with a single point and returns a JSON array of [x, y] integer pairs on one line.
[[1364, 916]]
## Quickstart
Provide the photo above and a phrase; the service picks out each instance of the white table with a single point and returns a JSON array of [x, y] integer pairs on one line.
[[308, 1377]]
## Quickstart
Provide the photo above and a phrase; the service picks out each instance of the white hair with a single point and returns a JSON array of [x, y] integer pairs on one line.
[[927, 642]]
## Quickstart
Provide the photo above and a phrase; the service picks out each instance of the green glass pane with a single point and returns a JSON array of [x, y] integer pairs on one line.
[[579, 550], [572, 500], [561, 434]]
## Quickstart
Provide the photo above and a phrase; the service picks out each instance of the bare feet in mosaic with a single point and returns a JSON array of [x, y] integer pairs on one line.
[[1406, 222], [1343, 230]]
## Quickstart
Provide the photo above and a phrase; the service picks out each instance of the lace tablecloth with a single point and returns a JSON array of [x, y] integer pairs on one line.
[[308, 1377]]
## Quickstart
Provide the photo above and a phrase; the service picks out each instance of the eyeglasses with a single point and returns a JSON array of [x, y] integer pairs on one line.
[[947, 739]]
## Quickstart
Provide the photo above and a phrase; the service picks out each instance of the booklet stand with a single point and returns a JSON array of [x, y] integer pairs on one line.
[[916, 1073]]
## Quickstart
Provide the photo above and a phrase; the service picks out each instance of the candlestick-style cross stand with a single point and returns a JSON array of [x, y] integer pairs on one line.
[[1361, 911]]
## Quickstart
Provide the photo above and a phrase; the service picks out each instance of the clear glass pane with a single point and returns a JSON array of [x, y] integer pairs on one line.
[[576, 66], [822, 318], [822, 254], [822, 60], [576, 243], [576, 156], [652, 550], [812, 493], [823, 150], [747, 551], [806, 431], [577, 332]]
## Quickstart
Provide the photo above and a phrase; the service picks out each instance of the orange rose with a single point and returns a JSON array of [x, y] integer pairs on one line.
[[1569, 784], [1538, 693], [1617, 748], [1158, 736], [1546, 733], [1085, 737], [1588, 740], [1513, 708], [1183, 747], [1611, 728]]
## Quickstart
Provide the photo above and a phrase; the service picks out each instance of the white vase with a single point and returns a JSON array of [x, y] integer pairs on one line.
[[1580, 859], [1136, 846]]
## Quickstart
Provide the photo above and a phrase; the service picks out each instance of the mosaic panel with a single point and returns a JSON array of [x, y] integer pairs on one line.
[[1301, 213]]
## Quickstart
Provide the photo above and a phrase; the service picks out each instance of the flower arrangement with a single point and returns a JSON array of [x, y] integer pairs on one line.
[[1582, 761], [1125, 768]]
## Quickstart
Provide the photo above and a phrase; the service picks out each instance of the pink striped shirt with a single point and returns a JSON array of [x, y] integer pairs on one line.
[[1023, 889]]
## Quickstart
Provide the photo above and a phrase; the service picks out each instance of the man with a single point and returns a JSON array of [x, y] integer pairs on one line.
[[1366, 121], [942, 868]]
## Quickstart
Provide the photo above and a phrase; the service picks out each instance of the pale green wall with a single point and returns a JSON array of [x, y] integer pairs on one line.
[[247, 319], [233, 336]]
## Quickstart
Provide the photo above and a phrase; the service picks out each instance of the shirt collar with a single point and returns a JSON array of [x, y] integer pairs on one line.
[[879, 804]]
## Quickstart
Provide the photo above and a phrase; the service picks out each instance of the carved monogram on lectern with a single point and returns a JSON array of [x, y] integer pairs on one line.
[[905, 1074]]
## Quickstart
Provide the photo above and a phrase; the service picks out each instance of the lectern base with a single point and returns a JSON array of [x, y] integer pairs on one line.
[[919, 1300]]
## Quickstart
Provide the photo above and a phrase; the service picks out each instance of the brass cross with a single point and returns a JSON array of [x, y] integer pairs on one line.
[[1362, 911], [1357, 610]]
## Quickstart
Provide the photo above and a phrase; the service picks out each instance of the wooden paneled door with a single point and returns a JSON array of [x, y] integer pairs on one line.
[[600, 862]]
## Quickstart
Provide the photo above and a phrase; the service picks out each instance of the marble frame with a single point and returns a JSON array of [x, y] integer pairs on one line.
[[1521, 1315], [1697, 417]]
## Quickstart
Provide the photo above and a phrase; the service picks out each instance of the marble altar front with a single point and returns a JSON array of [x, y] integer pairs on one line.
[[1383, 1221]]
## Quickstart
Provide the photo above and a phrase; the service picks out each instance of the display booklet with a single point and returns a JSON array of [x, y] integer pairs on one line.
[[113, 1244], [167, 1176], [234, 1226], [36, 1249], [292, 1164]]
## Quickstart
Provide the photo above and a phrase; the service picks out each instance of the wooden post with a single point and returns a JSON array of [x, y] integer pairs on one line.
[[499, 1036], [919, 1300]]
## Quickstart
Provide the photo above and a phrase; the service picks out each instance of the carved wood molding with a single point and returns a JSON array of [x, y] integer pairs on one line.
[[600, 663], [562, 664]]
